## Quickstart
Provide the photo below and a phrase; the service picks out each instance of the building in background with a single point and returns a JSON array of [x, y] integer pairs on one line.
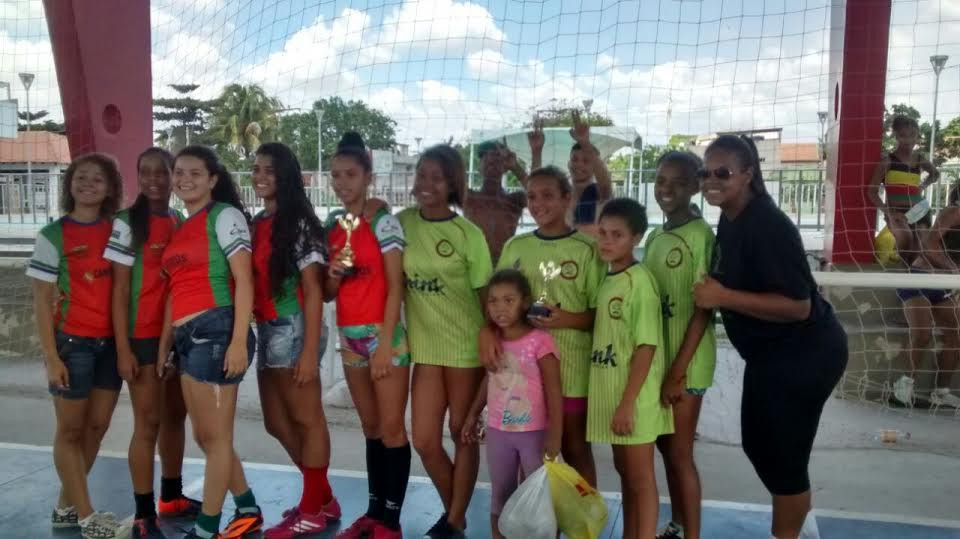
[[768, 141], [48, 155]]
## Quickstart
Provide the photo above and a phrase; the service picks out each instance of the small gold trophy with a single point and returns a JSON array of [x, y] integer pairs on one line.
[[549, 271], [348, 223]]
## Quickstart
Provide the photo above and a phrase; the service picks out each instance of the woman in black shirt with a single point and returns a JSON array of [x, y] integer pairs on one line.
[[794, 348]]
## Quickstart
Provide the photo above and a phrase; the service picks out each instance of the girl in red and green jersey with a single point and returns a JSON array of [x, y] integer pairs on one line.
[[208, 263], [570, 306], [140, 234], [446, 265], [76, 336], [373, 344], [288, 306]]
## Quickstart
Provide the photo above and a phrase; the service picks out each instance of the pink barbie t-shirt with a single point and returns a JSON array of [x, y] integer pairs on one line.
[[515, 398]]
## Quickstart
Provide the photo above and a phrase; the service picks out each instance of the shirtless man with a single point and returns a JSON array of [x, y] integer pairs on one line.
[[494, 210]]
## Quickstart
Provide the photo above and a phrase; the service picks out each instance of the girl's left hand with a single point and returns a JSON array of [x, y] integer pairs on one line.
[[235, 361], [558, 318], [551, 447], [305, 370], [381, 362], [709, 293], [622, 424]]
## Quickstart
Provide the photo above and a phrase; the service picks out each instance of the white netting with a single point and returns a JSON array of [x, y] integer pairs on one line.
[[411, 73]]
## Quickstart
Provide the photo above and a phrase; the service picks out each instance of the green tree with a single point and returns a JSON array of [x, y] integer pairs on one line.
[[45, 125], [901, 109], [299, 130], [560, 114], [243, 117], [182, 115]]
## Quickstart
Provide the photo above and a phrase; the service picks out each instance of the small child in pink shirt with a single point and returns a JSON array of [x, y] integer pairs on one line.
[[523, 399]]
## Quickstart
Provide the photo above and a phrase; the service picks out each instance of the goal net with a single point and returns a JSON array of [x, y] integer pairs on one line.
[[648, 76]]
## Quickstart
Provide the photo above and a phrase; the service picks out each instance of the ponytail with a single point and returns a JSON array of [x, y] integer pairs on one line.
[[757, 184], [140, 209], [745, 150], [225, 190]]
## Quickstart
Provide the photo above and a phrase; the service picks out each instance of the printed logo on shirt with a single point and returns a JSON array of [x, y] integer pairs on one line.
[[174, 261], [390, 227], [115, 234], [89, 276], [78, 250], [605, 357], [428, 286], [569, 270], [444, 248], [674, 258], [615, 308], [158, 247], [235, 230]]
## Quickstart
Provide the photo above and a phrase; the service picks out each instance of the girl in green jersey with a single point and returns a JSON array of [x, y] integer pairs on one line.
[[678, 254]]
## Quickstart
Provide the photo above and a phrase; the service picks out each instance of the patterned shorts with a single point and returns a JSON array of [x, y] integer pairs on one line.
[[362, 341]]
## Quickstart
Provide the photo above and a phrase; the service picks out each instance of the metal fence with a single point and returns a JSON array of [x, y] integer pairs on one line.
[[799, 193]]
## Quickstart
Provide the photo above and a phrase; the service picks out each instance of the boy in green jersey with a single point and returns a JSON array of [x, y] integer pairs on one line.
[[628, 365], [677, 255]]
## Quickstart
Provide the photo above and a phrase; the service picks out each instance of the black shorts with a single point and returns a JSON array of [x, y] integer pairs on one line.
[[145, 350], [783, 396]]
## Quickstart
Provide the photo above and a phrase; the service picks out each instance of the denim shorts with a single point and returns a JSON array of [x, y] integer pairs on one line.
[[202, 345], [91, 363], [280, 342]]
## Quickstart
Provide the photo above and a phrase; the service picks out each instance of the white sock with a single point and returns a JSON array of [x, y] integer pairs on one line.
[[65, 510], [810, 529], [84, 521]]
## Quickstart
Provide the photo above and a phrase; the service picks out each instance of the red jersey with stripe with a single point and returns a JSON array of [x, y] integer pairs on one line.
[[69, 253], [148, 286], [267, 304], [195, 260], [362, 297]]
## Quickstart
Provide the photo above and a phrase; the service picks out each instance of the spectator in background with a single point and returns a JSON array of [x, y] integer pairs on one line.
[[492, 208]]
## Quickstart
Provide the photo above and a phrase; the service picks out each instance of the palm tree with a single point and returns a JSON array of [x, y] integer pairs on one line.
[[243, 117]]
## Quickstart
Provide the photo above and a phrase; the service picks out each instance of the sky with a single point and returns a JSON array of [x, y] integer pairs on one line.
[[442, 68]]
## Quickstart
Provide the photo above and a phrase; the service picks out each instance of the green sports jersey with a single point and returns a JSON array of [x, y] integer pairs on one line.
[[445, 263], [574, 290], [628, 315], [678, 258]]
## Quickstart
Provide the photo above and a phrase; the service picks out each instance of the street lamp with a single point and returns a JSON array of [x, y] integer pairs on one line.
[[319, 113], [7, 86], [27, 80], [587, 103], [822, 116], [937, 61]]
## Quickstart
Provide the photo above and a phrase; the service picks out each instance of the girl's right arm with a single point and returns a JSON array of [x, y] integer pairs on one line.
[[43, 298], [166, 338], [127, 363], [472, 427], [675, 382]]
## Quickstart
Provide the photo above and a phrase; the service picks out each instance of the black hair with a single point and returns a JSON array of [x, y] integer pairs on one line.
[[900, 121], [488, 146], [745, 150], [225, 190], [556, 174], [110, 169], [687, 161], [451, 163], [954, 196], [140, 209], [516, 278], [629, 210], [295, 222], [577, 147], [351, 145]]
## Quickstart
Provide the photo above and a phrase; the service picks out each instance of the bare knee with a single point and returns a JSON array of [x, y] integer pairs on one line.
[[97, 429], [428, 446], [208, 439], [71, 434], [393, 434]]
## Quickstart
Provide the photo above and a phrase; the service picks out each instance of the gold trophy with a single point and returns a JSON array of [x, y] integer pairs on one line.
[[549, 271], [348, 223]]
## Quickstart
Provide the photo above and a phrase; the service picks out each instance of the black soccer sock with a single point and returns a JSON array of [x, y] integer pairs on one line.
[[171, 488], [375, 469], [145, 505], [396, 476]]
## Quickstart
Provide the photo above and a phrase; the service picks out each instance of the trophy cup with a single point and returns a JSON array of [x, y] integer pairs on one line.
[[348, 223], [548, 271]]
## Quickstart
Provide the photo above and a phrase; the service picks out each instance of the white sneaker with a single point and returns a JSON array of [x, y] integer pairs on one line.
[[903, 391], [943, 397], [101, 525]]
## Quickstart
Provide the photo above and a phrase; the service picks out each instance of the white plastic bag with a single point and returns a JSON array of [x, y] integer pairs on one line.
[[528, 514]]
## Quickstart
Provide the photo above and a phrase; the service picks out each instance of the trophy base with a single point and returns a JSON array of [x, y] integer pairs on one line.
[[348, 272], [538, 309]]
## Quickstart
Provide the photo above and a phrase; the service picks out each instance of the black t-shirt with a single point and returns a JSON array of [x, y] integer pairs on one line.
[[761, 251], [586, 210]]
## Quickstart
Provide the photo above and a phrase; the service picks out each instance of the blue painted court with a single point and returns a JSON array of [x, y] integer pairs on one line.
[[29, 485]]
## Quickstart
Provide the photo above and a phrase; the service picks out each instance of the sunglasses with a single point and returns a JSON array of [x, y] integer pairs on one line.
[[722, 173]]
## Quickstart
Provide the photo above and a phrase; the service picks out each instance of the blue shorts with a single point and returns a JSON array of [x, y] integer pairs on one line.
[[934, 296], [280, 342], [202, 345], [91, 363]]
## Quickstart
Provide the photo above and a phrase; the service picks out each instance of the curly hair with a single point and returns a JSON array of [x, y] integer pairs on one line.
[[451, 163], [295, 222], [110, 170]]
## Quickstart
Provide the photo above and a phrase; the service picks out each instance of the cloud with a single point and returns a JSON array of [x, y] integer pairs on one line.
[[30, 56], [445, 28]]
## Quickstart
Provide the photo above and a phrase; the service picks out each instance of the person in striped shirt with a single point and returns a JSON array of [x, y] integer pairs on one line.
[[373, 342], [571, 298], [446, 265], [140, 234], [288, 305], [207, 319], [627, 366], [71, 301], [678, 254]]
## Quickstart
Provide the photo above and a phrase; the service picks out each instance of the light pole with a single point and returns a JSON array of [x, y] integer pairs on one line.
[[319, 112], [27, 80], [937, 61], [822, 116]]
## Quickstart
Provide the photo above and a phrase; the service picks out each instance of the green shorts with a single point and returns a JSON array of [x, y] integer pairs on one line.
[[362, 341]]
